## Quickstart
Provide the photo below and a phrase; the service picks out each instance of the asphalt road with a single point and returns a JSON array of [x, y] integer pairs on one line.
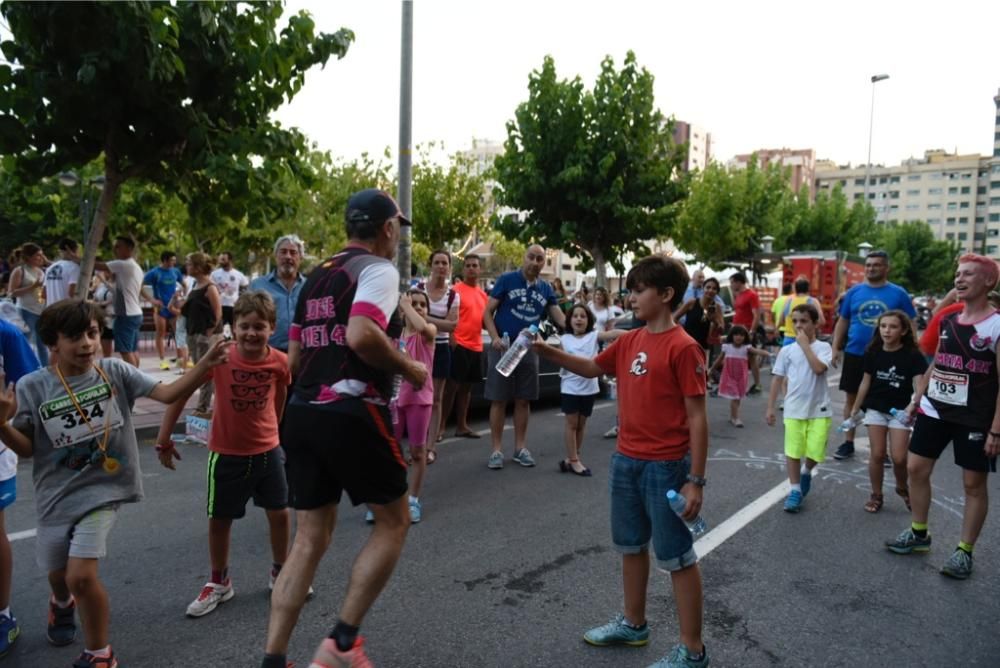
[[509, 568]]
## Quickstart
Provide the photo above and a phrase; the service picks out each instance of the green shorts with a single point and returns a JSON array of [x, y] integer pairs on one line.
[[806, 437]]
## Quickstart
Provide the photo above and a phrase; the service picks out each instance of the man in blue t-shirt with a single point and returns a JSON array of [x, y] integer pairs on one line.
[[518, 300], [859, 312], [163, 282]]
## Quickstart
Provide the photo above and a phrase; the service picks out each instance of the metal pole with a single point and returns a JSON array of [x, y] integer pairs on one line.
[[871, 123], [405, 192]]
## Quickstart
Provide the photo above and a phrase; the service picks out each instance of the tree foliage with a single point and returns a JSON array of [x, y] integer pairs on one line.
[[728, 210], [829, 223], [920, 263], [596, 172], [175, 94], [449, 201]]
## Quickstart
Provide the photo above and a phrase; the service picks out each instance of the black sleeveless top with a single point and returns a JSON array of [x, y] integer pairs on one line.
[[198, 311], [697, 325]]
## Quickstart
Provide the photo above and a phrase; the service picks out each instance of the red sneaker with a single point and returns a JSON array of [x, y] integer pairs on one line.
[[328, 656], [88, 660]]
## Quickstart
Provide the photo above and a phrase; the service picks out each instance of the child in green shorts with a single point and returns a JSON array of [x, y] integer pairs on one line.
[[802, 367]]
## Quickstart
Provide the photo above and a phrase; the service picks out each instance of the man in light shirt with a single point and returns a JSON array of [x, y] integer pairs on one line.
[[62, 275]]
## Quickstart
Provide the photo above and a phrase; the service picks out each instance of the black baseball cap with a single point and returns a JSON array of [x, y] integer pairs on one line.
[[373, 205]]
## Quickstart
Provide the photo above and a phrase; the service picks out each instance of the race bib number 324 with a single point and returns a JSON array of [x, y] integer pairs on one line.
[[65, 425]]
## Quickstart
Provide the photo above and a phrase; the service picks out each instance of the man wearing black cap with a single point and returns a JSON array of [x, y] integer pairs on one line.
[[337, 431]]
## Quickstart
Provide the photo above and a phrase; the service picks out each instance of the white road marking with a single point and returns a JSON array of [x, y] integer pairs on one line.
[[21, 535], [720, 534]]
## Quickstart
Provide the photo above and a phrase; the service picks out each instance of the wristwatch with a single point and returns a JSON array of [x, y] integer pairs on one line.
[[696, 480]]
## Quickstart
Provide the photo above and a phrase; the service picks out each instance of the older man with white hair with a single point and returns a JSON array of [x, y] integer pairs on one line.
[[283, 283]]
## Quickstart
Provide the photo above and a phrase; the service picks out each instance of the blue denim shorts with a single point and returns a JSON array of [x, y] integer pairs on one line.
[[639, 510], [126, 330]]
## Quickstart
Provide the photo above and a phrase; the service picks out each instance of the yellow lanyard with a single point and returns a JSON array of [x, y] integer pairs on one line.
[[103, 445]]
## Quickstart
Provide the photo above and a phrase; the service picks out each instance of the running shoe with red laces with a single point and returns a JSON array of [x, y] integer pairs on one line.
[[212, 594], [328, 656], [88, 660], [62, 625]]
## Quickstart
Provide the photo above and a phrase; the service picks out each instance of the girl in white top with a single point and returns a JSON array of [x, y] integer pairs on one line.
[[601, 307], [26, 283], [578, 393], [443, 314]]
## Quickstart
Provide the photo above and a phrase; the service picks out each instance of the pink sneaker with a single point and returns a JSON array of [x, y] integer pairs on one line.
[[328, 656]]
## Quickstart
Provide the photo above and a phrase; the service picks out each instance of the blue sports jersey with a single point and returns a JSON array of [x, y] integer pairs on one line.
[[863, 305], [521, 305]]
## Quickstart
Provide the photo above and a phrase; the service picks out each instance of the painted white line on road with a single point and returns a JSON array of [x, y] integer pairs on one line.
[[720, 534], [21, 535]]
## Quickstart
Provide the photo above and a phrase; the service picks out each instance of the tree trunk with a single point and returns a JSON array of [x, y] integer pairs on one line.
[[112, 181], [600, 268]]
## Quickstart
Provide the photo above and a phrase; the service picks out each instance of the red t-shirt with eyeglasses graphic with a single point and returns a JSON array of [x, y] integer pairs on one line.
[[655, 372], [245, 420]]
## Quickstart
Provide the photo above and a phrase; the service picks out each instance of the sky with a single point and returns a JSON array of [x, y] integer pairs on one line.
[[765, 74]]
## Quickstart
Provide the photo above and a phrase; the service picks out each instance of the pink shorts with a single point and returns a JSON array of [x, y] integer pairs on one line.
[[413, 421]]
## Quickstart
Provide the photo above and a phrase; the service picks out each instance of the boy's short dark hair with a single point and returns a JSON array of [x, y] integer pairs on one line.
[[69, 317], [472, 256], [801, 286], [256, 301], [786, 289], [739, 277], [809, 310], [67, 244], [166, 255], [127, 240], [660, 272]]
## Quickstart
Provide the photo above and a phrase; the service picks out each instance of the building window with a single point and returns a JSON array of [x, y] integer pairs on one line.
[[858, 195], [953, 190], [913, 193], [935, 176], [935, 191], [843, 183], [934, 207], [993, 233], [913, 177], [963, 205], [963, 236], [981, 190], [964, 220], [967, 175], [995, 201], [995, 217], [995, 169], [893, 194], [933, 221], [991, 250], [952, 206], [859, 182], [994, 185], [893, 179], [978, 236], [965, 190], [950, 236], [950, 221], [979, 220], [912, 206]]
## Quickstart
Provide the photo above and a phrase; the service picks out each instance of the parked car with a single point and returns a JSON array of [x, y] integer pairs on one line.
[[548, 372]]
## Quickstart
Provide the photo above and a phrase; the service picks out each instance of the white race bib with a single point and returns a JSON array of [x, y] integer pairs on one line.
[[949, 387], [65, 426]]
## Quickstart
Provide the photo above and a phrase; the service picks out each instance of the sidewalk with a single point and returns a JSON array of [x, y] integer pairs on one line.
[[147, 414]]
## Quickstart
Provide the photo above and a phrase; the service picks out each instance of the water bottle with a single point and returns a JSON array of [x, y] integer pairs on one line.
[[612, 389], [397, 380], [678, 503], [902, 417], [852, 422], [505, 341], [227, 332], [516, 352]]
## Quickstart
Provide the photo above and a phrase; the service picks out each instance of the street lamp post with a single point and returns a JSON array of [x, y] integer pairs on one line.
[[871, 121], [71, 180]]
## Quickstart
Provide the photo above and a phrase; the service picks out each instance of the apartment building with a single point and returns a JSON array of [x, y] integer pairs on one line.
[[957, 195], [699, 145], [800, 163]]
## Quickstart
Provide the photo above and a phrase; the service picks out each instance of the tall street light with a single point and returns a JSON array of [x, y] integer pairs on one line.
[[71, 180], [871, 121]]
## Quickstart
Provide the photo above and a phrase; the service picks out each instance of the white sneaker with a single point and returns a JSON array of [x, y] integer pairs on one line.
[[611, 433], [272, 576], [211, 596]]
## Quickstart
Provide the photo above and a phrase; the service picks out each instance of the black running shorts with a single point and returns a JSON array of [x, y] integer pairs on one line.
[[347, 446], [235, 479], [931, 436]]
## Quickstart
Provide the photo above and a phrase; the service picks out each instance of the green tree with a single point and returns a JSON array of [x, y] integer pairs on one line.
[[727, 211], [449, 201], [178, 95], [596, 172], [830, 223], [920, 263]]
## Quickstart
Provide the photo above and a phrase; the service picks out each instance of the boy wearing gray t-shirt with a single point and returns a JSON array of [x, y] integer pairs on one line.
[[75, 419]]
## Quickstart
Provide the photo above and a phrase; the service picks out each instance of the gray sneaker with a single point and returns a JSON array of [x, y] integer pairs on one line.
[[617, 632], [496, 461], [958, 566], [907, 542], [680, 657], [524, 458]]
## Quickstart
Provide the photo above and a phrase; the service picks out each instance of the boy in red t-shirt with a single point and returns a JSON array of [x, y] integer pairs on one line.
[[245, 460], [662, 446]]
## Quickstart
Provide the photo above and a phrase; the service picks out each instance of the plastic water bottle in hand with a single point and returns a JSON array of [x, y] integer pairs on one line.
[[397, 380], [902, 417], [517, 351], [852, 422], [678, 503]]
